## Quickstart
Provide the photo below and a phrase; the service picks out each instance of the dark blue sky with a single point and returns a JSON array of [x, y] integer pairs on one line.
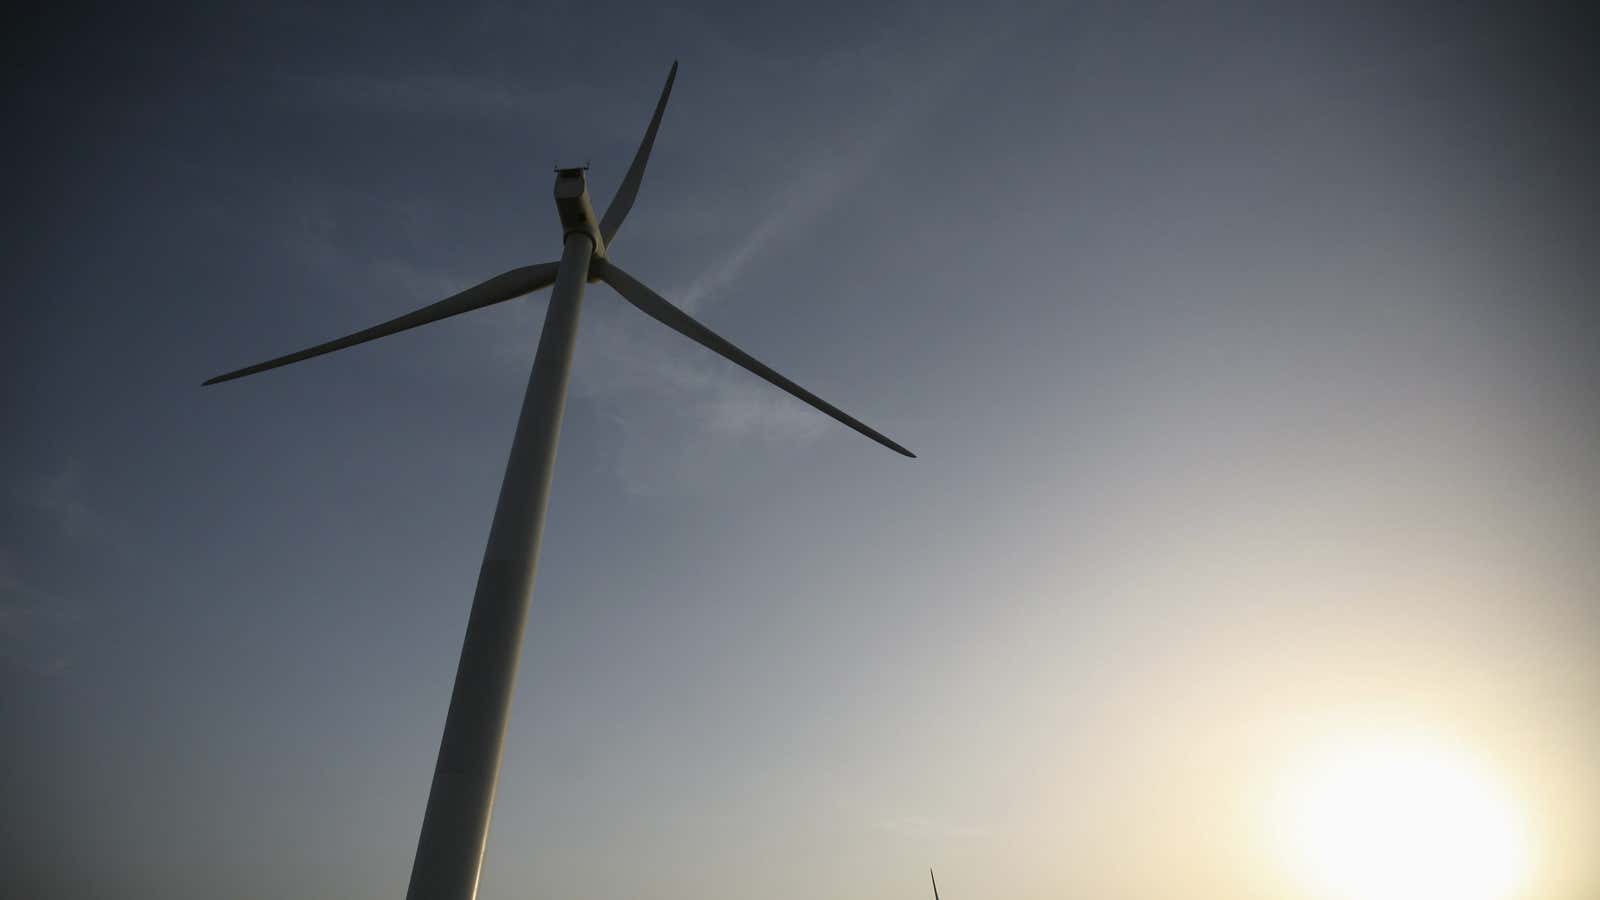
[[1249, 353]]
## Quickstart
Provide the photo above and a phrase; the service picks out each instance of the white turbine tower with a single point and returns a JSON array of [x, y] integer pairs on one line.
[[455, 826]]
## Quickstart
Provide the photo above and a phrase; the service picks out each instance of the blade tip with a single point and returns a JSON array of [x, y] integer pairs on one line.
[[226, 376]]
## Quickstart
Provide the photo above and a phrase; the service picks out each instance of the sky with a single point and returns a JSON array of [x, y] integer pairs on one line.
[[1248, 352]]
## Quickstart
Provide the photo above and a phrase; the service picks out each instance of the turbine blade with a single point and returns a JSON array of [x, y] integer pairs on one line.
[[659, 309], [935, 884], [622, 201], [502, 287]]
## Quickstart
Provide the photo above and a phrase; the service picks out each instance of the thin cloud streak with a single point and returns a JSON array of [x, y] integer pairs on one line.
[[60, 497], [436, 95], [34, 624], [632, 376]]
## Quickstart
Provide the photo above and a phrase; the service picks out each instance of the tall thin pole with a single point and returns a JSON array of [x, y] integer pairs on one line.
[[455, 827]]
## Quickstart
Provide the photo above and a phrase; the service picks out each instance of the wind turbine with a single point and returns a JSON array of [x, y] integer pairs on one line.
[[935, 884], [455, 826]]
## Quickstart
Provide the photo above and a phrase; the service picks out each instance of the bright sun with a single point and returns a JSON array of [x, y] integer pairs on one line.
[[1400, 819]]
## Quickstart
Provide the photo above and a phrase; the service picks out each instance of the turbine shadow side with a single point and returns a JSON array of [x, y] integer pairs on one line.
[[506, 286], [622, 200], [455, 824]]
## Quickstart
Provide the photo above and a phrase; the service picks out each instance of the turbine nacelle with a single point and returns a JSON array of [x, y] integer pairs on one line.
[[577, 213]]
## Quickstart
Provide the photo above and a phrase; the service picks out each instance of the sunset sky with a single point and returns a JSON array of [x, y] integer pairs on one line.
[[1251, 355]]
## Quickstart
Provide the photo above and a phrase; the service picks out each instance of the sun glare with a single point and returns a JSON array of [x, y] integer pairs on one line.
[[1400, 820]]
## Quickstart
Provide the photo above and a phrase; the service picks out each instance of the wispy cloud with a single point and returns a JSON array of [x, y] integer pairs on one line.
[[807, 197], [60, 497], [35, 624], [403, 285], [434, 94], [632, 360], [793, 207], [633, 375]]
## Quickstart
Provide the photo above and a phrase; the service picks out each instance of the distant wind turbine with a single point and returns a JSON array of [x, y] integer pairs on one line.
[[455, 826]]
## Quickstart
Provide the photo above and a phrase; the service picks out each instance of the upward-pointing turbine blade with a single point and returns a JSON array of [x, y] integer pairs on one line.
[[622, 201], [659, 309], [502, 287], [935, 884]]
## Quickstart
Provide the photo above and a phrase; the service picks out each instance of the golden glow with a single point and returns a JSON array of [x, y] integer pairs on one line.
[[1400, 819]]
